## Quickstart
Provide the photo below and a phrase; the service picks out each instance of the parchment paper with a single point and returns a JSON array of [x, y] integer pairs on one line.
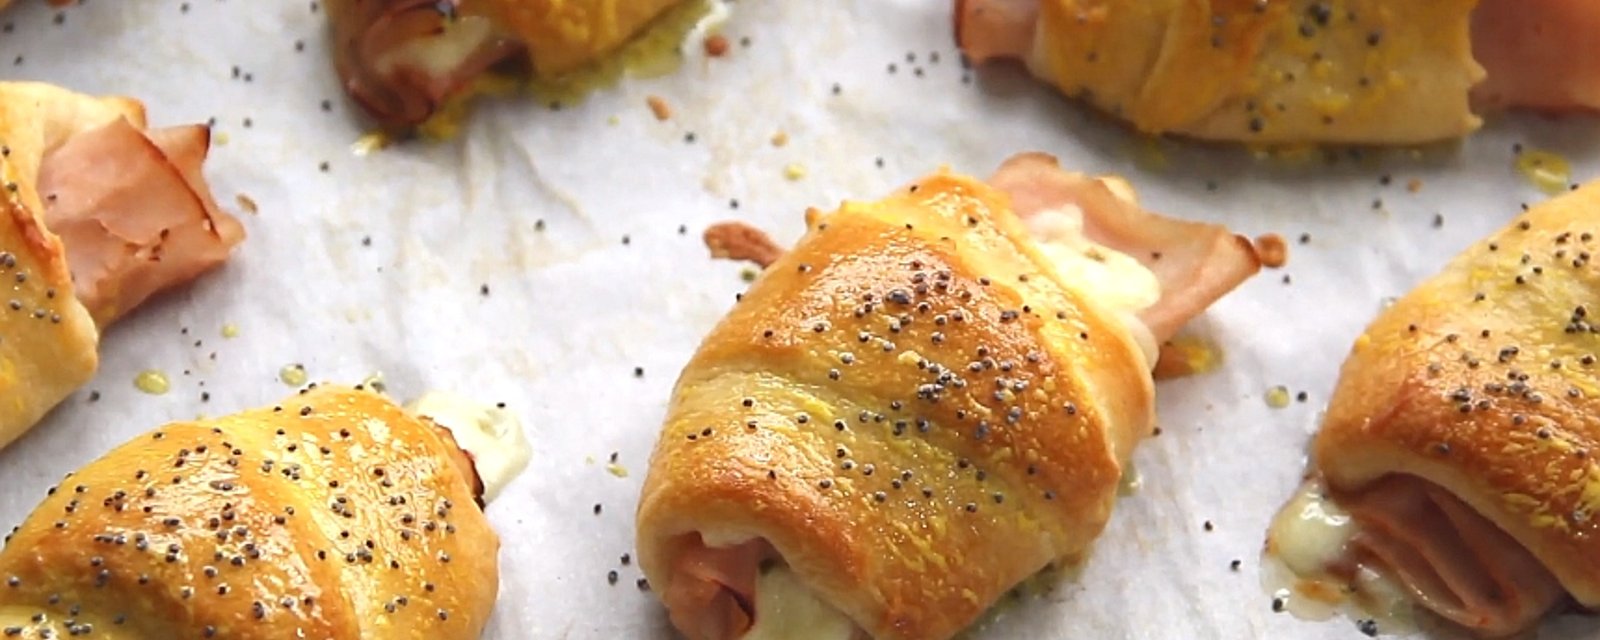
[[551, 259]]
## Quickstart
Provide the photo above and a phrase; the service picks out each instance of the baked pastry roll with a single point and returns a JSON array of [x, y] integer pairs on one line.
[[1458, 451], [99, 214], [403, 59], [1294, 71], [929, 399], [336, 514]]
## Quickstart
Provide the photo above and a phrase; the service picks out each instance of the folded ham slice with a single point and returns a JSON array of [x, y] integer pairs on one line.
[[826, 432], [1453, 560], [134, 212], [1540, 54], [1196, 262], [996, 29], [714, 595]]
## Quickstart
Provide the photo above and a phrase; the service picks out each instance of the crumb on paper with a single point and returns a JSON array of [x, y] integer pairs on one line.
[[659, 107], [371, 142], [153, 382], [748, 274], [374, 381], [230, 331], [293, 375], [1414, 185], [794, 171], [616, 470], [1274, 252], [1187, 355], [219, 138], [1277, 397], [780, 138], [742, 242], [247, 204], [1549, 172], [716, 45]]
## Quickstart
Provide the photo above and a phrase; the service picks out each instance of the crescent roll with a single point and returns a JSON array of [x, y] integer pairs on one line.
[[927, 400], [336, 514], [98, 214], [1296, 71], [1458, 452], [402, 60]]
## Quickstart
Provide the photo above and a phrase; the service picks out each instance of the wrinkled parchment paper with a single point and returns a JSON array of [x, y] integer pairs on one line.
[[551, 259]]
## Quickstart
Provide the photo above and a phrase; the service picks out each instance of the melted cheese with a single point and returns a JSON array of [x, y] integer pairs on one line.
[[493, 436], [718, 539], [1111, 278], [1307, 537], [1311, 532], [787, 610], [443, 54]]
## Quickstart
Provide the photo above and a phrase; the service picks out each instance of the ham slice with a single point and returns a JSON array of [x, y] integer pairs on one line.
[[1195, 262], [1540, 54], [713, 589], [402, 59], [996, 29], [134, 212], [742, 242], [1453, 560]]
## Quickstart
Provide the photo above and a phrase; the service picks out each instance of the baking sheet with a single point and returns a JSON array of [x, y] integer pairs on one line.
[[550, 259]]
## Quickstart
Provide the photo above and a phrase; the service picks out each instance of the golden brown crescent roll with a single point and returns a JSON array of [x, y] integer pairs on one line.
[[333, 515], [1460, 443], [98, 214], [927, 400], [403, 59], [1293, 71]]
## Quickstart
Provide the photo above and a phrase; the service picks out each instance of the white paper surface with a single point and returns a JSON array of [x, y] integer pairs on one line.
[[609, 283]]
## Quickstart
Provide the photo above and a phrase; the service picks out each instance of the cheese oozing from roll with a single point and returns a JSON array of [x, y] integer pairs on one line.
[[1459, 441]]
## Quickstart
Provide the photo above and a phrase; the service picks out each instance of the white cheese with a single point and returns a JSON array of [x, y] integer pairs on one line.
[[1307, 537], [787, 610], [493, 436], [441, 55], [1110, 278], [1311, 532]]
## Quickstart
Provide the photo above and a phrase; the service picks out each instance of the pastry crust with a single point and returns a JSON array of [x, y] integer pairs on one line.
[[564, 35], [47, 338], [1291, 71], [888, 401], [333, 515], [1484, 380]]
